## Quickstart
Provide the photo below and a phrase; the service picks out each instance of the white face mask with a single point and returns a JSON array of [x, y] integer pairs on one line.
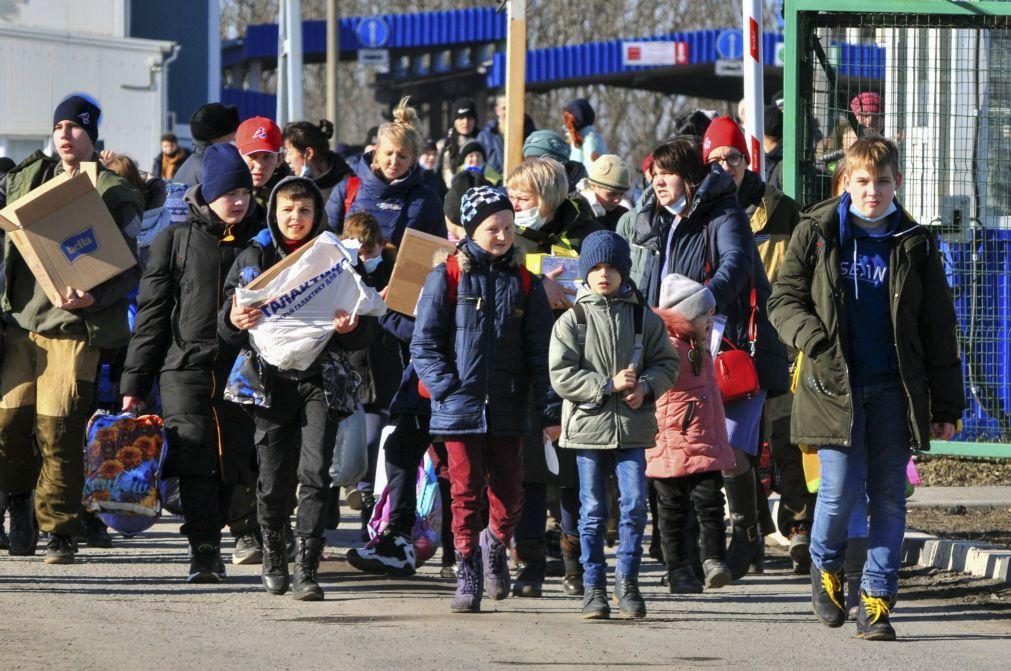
[[530, 219], [873, 220], [372, 264], [677, 207]]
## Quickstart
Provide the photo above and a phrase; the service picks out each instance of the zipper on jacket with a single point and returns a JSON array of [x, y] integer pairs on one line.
[[689, 416], [896, 291], [840, 321]]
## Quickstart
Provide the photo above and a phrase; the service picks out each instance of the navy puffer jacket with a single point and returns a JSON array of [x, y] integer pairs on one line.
[[730, 248], [408, 203], [482, 358]]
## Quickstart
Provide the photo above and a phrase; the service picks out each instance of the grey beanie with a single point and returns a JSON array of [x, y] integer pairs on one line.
[[685, 296]]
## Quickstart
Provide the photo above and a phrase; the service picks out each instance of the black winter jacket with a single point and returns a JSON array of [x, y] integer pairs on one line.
[[713, 232], [180, 295]]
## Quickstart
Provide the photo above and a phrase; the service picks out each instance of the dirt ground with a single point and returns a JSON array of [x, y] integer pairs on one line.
[[926, 582], [956, 472], [986, 526]]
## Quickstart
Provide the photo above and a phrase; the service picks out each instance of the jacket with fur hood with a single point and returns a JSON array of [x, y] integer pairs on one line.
[[264, 251], [592, 416], [406, 203], [692, 430], [482, 358]]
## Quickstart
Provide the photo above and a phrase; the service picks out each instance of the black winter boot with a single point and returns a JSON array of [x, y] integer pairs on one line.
[[628, 597], [746, 544], [274, 573], [96, 533], [681, 579], [531, 567], [827, 597], [572, 583], [24, 534], [304, 585]]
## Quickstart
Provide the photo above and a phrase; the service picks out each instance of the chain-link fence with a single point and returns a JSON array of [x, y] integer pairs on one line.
[[939, 85]]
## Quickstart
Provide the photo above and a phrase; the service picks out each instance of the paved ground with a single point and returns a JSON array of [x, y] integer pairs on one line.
[[128, 608]]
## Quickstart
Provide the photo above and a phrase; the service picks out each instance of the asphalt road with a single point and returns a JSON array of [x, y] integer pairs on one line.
[[129, 608]]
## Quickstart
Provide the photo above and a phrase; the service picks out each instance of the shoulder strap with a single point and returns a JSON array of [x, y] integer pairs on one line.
[[354, 183], [526, 280], [452, 276], [580, 312]]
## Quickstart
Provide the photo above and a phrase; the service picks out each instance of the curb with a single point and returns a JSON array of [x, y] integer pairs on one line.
[[983, 561]]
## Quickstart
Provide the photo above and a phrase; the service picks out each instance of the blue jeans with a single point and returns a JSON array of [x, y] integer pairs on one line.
[[595, 466], [876, 458]]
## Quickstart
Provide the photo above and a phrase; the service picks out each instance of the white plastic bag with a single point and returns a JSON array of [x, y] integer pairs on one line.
[[298, 304]]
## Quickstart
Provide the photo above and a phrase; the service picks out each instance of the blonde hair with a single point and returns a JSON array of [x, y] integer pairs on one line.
[[544, 177], [872, 153], [403, 130]]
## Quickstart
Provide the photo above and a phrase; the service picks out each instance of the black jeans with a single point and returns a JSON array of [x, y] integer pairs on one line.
[[796, 504], [675, 499], [298, 426], [404, 450]]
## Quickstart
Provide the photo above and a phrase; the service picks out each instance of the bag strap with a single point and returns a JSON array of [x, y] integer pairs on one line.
[[710, 270], [452, 277], [638, 319], [354, 183]]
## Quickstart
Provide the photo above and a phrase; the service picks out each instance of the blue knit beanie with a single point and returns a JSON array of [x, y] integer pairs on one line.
[[582, 112], [605, 247], [224, 171], [546, 143]]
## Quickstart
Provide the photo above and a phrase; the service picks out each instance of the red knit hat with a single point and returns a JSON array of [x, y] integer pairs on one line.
[[724, 132], [868, 102], [258, 134]]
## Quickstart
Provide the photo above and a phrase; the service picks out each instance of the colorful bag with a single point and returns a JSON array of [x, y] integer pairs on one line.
[[427, 533], [123, 460]]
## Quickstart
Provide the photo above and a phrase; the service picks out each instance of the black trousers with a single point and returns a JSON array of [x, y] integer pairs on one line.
[[796, 504], [298, 427], [404, 450], [675, 499], [209, 442]]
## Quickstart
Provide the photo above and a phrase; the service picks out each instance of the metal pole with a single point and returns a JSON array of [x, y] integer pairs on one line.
[[295, 112], [754, 85], [333, 45], [516, 74], [282, 63]]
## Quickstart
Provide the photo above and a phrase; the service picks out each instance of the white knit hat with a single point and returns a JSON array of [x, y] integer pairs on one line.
[[685, 296]]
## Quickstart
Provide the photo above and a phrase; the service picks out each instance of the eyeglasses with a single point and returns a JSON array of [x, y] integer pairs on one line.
[[731, 160]]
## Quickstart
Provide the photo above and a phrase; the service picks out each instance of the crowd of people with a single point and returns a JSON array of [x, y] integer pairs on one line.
[[713, 322]]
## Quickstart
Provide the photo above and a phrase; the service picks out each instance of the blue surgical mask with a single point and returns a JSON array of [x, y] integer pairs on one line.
[[477, 169], [873, 220], [678, 207], [372, 264], [530, 219], [304, 172]]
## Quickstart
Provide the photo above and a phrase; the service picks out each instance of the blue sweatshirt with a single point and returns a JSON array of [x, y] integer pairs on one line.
[[864, 267]]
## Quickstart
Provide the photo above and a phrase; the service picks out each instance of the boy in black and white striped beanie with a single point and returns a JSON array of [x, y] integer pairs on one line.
[[480, 203]]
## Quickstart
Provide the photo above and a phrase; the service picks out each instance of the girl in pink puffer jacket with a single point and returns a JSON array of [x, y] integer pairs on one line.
[[692, 445]]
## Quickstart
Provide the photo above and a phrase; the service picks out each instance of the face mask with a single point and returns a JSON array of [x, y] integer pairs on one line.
[[372, 264], [304, 172], [530, 219], [477, 169], [677, 207], [873, 220]]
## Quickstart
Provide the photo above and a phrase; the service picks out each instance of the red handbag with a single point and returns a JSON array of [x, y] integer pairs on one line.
[[736, 373]]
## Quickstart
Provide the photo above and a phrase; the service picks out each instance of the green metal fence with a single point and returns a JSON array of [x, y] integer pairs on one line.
[[935, 77]]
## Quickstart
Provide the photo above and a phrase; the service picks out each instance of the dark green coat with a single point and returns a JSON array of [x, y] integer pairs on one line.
[[807, 309]]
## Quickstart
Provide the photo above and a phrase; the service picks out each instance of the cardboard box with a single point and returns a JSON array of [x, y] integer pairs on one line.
[[414, 262], [66, 235]]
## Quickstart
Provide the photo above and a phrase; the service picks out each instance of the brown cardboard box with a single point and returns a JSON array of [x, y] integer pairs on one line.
[[414, 262], [66, 235]]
